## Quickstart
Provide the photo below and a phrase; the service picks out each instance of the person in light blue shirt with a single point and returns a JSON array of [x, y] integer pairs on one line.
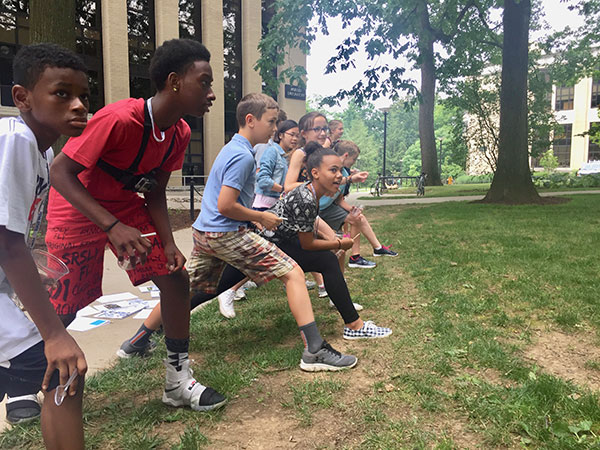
[[274, 165], [235, 168]]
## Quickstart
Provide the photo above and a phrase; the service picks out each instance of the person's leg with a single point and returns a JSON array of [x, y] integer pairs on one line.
[[361, 225], [325, 262], [181, 388], [62, 426]]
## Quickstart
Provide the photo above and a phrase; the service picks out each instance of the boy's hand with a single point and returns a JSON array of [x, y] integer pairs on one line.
[[270, 221], [175, 259], [129, 241], [359, 177], [346, 243], [64, 355]]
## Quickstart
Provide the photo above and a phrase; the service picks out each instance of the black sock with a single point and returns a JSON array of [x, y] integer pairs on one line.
[[177, 351], [311, 336], [141, 337]]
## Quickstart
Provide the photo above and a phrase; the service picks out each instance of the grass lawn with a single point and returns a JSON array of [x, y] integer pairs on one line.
[[454, 190], [495, 312]]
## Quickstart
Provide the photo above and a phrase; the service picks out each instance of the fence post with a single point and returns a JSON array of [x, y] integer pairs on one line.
[[192, 199]]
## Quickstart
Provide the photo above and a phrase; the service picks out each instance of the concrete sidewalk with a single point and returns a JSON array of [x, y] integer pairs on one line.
[[352, 198], [100, 344]]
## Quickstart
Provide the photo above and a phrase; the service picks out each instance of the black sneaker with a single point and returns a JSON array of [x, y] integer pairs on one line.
[[128, 350], [384, 251], [326, 358], [360, 262], [22, 409]]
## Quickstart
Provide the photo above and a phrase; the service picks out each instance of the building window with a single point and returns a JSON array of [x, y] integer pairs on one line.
[[564, 98], [595, 93], [193, 163], [232, 61], [561, 145], [140, 29], [594, 147], [88, 28]]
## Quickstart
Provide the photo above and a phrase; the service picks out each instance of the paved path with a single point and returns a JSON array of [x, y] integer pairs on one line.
[[412, 200]]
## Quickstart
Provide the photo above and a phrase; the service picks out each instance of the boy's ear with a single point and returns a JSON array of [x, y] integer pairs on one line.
[[250, 120], [20, 95], [173, 81]]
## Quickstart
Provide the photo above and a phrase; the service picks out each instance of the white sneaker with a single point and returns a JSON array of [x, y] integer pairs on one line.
[[357, 306], [181, 389], [250, 285], [226, 303], [322, 292], [240, 294]]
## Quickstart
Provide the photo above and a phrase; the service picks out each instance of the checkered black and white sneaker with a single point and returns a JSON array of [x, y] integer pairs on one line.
[[368, 331]]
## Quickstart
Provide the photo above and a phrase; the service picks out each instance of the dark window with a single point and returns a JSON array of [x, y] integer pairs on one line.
[[594, 147], [595, 93], [564, 98], [14, 32], [232, 61], [561, 145], [89, 46], [190, 28], [140, 28]]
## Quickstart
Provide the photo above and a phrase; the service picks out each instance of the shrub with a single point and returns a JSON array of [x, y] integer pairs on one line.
[[474, 179], [560, 180]]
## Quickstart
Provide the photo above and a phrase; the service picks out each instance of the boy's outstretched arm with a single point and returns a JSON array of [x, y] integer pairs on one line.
[[156, 200], [229, 207], [63, 176], [62, 352]]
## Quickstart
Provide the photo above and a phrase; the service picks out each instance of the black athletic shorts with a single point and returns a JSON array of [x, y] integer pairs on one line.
[[26, 373]]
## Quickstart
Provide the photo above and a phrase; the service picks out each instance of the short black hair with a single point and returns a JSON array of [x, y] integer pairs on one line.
[[315, 154], [31, 61], [175, 55], [284, 126]]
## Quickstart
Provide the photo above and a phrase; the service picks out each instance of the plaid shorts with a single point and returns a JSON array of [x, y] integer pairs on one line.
[[248, 252]]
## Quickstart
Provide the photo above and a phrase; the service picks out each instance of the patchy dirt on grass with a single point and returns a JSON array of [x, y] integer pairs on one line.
[[565, 355]]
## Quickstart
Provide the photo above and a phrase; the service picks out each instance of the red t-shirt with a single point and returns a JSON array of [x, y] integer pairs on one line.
[[114, 134]]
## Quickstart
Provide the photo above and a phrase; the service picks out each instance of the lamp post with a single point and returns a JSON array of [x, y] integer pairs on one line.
[[440, 159], [385, 112]]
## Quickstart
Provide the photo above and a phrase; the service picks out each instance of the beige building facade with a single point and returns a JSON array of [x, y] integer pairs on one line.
[[118, 37]]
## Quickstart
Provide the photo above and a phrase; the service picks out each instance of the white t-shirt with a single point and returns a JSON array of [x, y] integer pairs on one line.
[[24, 185]]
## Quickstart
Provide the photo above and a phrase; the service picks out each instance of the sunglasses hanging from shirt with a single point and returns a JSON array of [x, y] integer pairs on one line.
[[144, 182]]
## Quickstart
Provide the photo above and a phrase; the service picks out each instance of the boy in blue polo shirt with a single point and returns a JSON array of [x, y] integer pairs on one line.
[[222, 236]]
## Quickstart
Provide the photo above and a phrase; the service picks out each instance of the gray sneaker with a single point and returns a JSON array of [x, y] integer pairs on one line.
[[327, 358], [128, 350]]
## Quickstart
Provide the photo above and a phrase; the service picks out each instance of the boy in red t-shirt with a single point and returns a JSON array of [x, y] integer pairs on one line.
[[131, 147]]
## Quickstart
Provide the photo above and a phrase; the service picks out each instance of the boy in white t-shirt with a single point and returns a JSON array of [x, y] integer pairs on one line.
[[51, 91]]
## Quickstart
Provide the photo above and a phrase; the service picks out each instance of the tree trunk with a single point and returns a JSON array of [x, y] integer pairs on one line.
[[52, 22], [429, 160], [512, 181]]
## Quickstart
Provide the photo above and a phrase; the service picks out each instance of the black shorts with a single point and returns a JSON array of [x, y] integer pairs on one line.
[[26, 373]]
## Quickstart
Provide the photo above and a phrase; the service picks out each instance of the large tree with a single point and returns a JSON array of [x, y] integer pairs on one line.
[[512, 181], [387, 27], [52, 21]]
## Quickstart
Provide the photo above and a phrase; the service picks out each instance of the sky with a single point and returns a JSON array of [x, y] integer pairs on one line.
[[319, 84]]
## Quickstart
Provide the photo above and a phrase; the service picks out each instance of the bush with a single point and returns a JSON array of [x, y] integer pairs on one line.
[[560, 180], [474, 179]]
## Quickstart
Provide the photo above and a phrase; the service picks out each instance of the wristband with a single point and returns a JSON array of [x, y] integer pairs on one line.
[[111, 226]]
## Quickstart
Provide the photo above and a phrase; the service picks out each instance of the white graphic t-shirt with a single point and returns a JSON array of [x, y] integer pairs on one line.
[[24, 184]]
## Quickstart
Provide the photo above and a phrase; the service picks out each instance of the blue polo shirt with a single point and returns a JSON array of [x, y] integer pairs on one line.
[[234, 167]]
